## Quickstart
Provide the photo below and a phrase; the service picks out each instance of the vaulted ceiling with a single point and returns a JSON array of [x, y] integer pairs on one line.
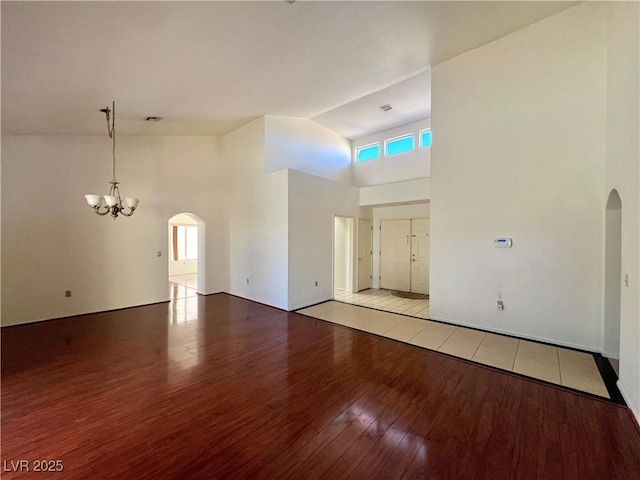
[[207, 68]]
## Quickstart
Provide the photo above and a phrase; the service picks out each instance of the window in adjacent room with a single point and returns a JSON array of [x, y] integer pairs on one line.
[[425, 138], [185, 242], [397, 145], [368, 152]]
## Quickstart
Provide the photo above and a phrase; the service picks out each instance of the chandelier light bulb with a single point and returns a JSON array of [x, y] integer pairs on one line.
[[93, 200]]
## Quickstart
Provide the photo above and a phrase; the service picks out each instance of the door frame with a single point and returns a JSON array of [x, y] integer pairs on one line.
[[613, 276], [350, 256], [359, 254], [202, 250]]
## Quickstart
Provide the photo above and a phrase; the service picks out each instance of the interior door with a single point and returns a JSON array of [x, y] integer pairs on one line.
[[420, 255], [395, 254], [365, 254]]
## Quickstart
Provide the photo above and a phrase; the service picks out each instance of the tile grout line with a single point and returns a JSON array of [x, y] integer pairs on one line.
[[559, 366], [448, 337], [513, 365], [478, 347]]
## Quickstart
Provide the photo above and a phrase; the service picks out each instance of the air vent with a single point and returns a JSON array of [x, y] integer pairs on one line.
[[152, 119], [386, 107]]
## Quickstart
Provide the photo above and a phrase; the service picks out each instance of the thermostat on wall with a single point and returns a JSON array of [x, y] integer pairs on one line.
[[502, 242]]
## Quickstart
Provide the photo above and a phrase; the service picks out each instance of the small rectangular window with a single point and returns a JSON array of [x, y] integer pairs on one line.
[[425, 138], [397, 145], [368, 152]]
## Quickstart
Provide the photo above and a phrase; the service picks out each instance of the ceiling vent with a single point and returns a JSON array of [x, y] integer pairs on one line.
[[152, 119], [386, 107]]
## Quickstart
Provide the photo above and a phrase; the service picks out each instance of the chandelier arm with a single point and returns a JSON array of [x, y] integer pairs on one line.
[[102, 214], [128, 214]]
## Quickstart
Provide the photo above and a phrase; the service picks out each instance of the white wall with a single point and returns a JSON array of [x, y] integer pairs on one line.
[[623, 172], [396, 168], [258, 219], [519, 151], [304, 145], [366, 212], [313, 203], [180, 267], [52, 241], [409, 191], [396, 212]]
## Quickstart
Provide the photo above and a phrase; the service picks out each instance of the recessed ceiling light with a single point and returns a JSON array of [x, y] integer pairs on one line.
[[386, 107], [152, 119]]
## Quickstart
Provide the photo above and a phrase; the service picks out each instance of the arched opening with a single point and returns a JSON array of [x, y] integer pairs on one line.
[[187, 274], [613, 278]]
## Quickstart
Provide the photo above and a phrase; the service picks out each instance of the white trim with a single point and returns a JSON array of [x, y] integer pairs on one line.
[[420, 137], [309, 304], [635, 411]]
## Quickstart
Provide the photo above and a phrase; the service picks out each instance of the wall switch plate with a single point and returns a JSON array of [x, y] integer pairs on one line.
[[159, 253], [500, 305], [316, 283], [67, 293], [247, 281]]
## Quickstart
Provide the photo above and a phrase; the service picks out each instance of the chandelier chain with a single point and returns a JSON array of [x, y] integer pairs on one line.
[[111, 130]]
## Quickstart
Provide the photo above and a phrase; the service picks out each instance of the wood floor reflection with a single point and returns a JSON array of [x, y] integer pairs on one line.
[[220, 387]]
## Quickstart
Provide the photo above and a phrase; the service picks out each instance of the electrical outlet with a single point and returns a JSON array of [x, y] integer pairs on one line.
[[247, 281], [67, 293], [500, 305]]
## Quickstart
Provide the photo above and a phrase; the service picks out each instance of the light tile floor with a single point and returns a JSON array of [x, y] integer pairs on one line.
[[557, 365], [385, 300], [188, 280]]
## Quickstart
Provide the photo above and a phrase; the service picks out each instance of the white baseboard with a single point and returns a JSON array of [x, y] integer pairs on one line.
[[635, 411], [309, 304], [552, 341]]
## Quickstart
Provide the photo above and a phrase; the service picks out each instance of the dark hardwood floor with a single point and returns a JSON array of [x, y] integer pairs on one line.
[[221, 388]]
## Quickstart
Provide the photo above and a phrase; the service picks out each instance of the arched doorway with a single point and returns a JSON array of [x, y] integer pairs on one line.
[[613, 277], [187, 245]]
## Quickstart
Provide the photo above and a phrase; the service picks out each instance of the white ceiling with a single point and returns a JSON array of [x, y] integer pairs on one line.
[[209, 67]]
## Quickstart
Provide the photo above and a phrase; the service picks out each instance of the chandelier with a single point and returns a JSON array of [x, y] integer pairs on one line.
[[113, 202]]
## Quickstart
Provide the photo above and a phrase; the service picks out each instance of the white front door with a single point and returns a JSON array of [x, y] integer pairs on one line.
[[420, 255], [365, 252], [395, 252]]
